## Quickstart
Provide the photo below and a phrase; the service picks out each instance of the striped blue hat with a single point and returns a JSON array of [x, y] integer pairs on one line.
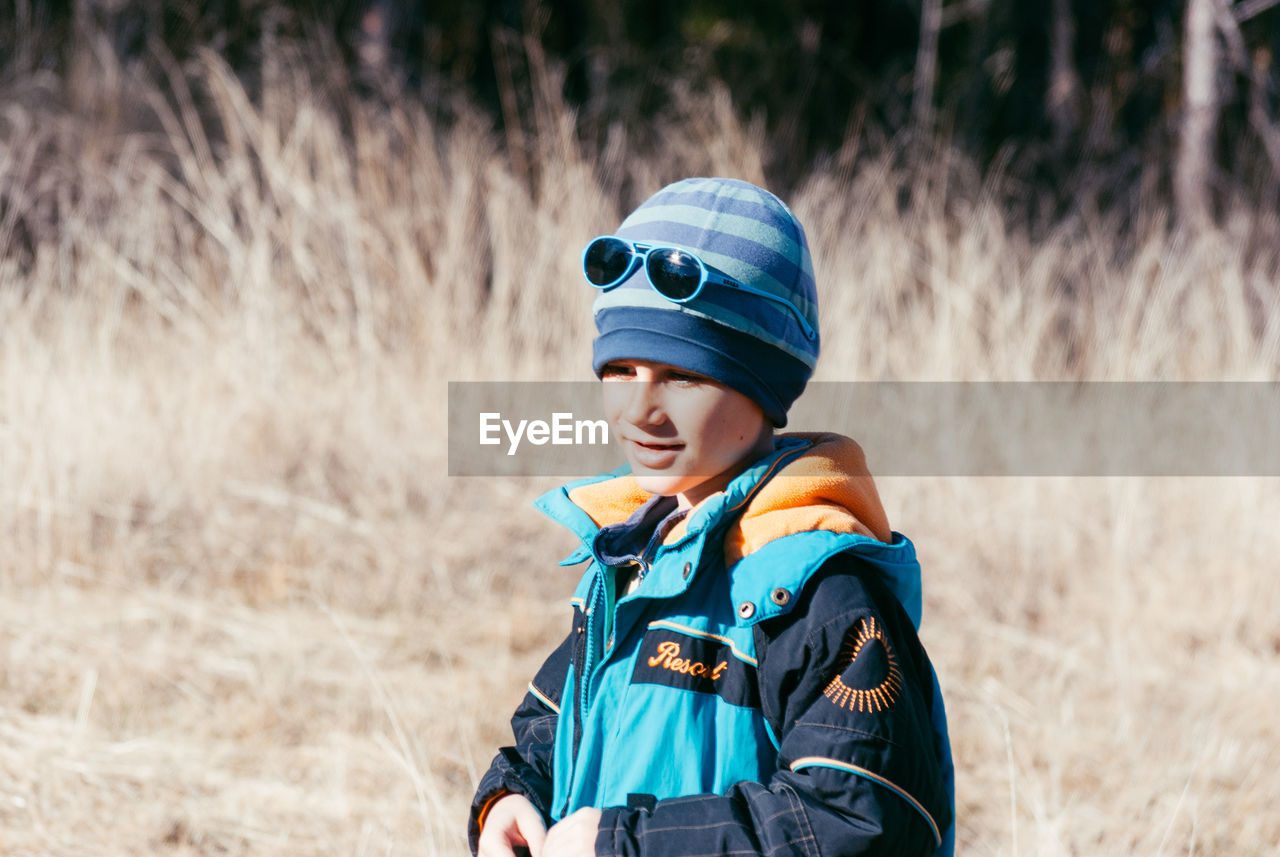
[[748, 343]]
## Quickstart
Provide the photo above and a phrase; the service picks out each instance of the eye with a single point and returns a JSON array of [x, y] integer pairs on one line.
[[617, 371], [686, 378]]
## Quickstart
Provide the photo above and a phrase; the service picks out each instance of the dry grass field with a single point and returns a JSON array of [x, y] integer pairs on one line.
[[243, 609]]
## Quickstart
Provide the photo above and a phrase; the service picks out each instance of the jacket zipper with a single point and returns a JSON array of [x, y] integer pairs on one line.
[[587, 665], [584, 681], [594, 614]]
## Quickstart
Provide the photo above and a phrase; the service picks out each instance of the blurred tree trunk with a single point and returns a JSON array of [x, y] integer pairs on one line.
[[1062, 97], [1200, 113], [926, 64], [1256, 69], [1266, 127]]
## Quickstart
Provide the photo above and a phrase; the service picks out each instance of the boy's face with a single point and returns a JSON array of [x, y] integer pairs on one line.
[[684, 434]]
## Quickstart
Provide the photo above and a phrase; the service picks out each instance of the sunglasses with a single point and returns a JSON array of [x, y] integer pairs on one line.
[[676, 274]]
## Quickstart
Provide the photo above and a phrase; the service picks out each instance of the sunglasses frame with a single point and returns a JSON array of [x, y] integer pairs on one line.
[[642, 253]]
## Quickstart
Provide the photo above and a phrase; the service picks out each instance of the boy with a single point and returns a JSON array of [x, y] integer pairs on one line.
[[742, 675]]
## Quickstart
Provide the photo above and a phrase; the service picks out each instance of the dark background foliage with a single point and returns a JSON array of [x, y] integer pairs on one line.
[[815, 72]]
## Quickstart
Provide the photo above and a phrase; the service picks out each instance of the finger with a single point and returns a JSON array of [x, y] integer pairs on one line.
[[560, 839], [494, 844], [575, 835], [531, 827]]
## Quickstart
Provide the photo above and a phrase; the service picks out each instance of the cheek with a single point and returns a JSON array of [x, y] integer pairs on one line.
[[736, 419], [613, 398], [740, 424], [724, 433]]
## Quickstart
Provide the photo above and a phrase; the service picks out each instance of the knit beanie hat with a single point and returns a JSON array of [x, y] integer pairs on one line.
[[750, 344]]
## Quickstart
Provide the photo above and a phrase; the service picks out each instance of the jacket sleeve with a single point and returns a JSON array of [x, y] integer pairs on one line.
[[847, 690], [525, 767]]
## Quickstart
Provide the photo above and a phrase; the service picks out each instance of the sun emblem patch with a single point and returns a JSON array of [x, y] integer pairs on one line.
[[867, 659]]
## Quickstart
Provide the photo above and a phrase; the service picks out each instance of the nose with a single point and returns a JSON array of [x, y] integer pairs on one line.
[[643, 406]]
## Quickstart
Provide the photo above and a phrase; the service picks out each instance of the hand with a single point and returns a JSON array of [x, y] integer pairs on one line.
[[574, 835], [512, 821]]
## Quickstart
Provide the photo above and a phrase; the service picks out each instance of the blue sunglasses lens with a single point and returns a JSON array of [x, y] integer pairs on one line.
[[676, 275], [606, 261]]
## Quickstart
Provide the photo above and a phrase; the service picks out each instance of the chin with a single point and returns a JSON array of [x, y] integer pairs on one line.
[[660, 483]]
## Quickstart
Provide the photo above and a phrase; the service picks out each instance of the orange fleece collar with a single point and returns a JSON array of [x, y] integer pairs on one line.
[[828, 487]]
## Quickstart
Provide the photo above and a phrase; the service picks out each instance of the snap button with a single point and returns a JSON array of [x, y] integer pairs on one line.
[[780, 596], [688, 569], [746, 609]]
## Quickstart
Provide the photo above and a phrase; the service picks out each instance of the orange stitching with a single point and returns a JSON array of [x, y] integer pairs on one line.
[[668, 658], [685, 629], [823, 762], [875, 699], [546, 700]]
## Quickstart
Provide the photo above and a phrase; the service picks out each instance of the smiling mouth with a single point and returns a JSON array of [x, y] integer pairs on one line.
[[654, 456], [658, 447]]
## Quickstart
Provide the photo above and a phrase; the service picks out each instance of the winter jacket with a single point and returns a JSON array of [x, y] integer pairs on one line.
[[762, 691]]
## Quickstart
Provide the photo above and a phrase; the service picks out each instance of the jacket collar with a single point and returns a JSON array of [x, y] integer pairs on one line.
[[809, 482]]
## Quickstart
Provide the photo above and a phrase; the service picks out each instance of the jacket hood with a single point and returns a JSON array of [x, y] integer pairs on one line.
[[815, 481]]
